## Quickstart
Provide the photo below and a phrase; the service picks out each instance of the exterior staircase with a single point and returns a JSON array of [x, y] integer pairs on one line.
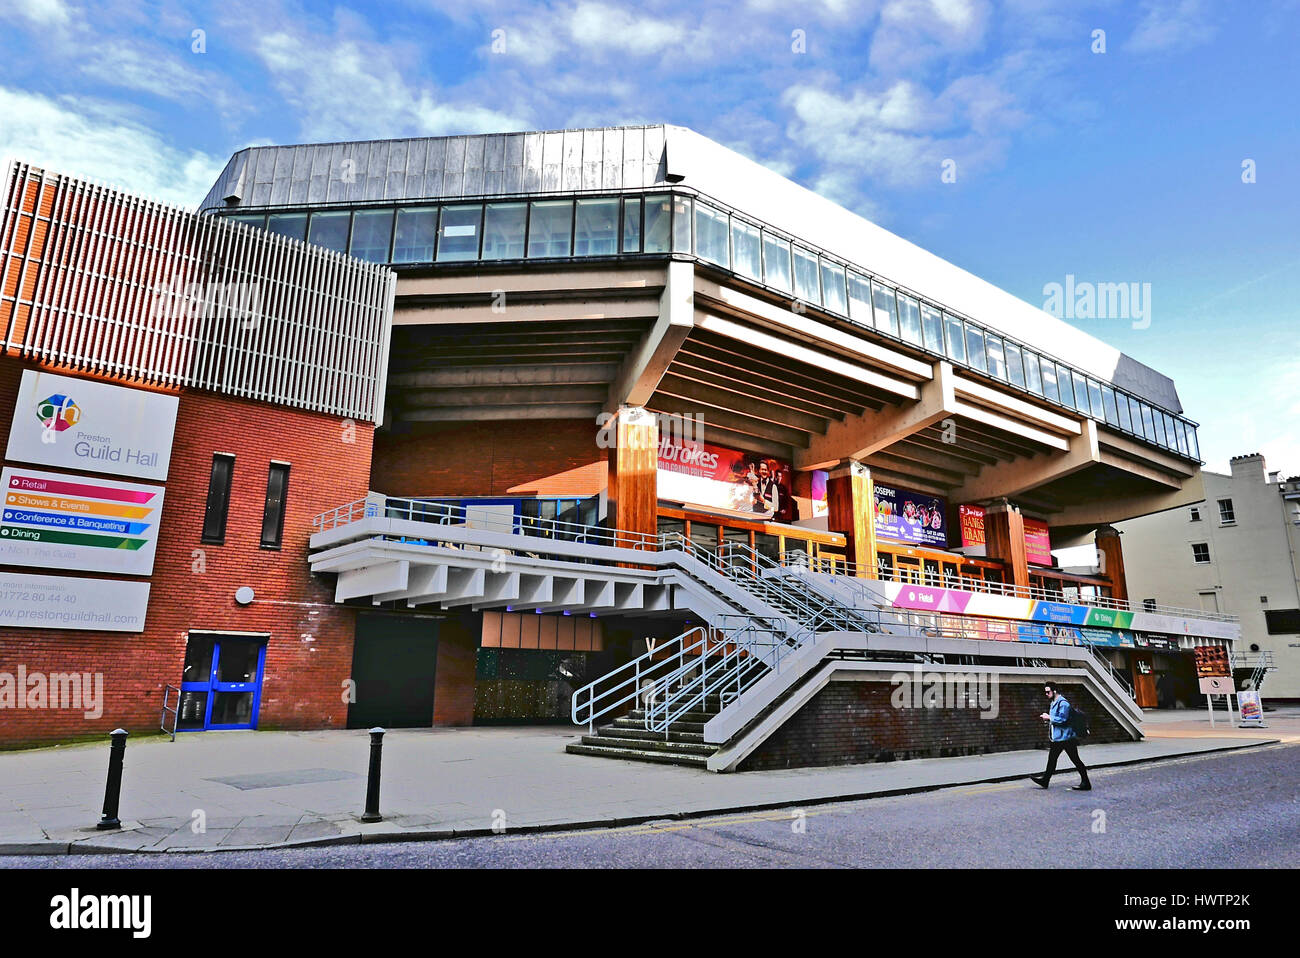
[[628, 738], [681, 742]]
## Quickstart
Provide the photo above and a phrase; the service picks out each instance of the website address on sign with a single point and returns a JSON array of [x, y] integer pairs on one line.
[[65, 617], [1203, 925]]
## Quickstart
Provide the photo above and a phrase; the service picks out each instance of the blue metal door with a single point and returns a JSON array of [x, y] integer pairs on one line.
[[221, 687]]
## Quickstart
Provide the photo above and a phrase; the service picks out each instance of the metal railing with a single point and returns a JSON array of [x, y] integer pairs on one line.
[[737, 649], [638, 679], [965, 584], [1260, 663], [173, 710], [442, 513], [752, 650]]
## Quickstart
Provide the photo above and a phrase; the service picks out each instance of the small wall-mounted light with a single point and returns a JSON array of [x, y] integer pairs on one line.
[[244, 595]]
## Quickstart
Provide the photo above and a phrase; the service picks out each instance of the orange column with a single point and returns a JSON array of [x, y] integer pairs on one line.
[[1004, 534], [1112, 554], [851, 511], [633, 459]]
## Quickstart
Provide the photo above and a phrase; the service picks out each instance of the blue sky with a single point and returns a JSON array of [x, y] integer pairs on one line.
[[1117, 166]]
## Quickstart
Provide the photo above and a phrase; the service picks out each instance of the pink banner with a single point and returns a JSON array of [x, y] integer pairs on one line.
[[927, 599], [31, 484], [1038, 543]]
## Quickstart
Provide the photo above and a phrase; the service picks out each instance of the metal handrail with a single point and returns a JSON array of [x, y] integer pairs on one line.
[[833, 566], [628, 680], [442, 513], [1260, 663], [450, 514], [174, 710]]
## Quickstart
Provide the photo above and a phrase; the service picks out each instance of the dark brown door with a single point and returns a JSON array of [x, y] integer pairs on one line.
[[1144, 679]]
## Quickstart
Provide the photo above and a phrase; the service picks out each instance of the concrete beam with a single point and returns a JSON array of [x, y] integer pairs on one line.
[[519, 312], [1016, 428], [1112, 510], [735, 302], [1154, 474], [1141, 452], [1019, 408], [646, 364], [813, 357], [1022, 475], [367, 581], [513, 375], [858, 437], [474, 413]]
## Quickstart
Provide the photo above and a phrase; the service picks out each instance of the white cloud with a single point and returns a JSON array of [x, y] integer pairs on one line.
[[902, 134], [913, 32], [1170, 25], [95, 141], [1261, 418], [148, 71], [43, 13], [598, 25], [352, 88]]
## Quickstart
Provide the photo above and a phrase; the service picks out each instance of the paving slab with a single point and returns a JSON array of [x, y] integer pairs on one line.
[[270, 789]]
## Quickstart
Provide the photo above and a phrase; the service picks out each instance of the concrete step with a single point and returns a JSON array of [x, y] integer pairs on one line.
[[635, 755], [698, 718], [650, 745], [628, 723], [640, 732]]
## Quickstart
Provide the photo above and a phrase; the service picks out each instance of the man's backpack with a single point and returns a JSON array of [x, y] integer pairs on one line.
[[1079, 722]]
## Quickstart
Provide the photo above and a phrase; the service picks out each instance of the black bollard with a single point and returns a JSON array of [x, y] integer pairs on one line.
[[113, 787], [372, 780]]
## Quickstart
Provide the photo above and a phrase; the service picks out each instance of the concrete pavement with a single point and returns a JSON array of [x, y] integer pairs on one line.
[[228, 790]]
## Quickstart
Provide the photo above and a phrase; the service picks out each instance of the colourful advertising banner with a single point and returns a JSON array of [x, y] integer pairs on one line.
[[1038, 543], [92, 426], [902, 595], [709, 475], [915, 517], [819, 506], [1251, 708], [53, 520], [1060, 612], [971, 520]]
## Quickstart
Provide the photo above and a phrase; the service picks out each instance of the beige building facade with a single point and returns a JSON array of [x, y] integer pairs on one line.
[[1235, 552]]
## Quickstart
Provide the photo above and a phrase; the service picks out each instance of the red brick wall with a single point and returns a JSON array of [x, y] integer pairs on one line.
[[529, 457], [851, 722], [309, 653], [453, 684]]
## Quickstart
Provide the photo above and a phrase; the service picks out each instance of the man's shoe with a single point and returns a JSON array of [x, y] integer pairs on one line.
[[1038, 780], [1081, 788]]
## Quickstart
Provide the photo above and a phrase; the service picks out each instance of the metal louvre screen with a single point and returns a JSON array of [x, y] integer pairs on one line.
[[96, 280]]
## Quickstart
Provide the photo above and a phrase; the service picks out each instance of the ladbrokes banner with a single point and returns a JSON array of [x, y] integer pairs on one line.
[[710, 475]]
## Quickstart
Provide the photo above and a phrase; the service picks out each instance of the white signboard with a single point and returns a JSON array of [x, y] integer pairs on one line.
[[1216, 685], [55, 520], [32, 601], [92, 426]]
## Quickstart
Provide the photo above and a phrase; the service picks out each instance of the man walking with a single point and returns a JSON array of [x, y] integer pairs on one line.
[[1064, 739]]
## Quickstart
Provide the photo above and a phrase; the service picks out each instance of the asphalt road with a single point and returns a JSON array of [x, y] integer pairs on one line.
[[1237, 809]]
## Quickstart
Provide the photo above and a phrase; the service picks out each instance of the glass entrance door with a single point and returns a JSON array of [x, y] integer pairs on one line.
[[221, 686]]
